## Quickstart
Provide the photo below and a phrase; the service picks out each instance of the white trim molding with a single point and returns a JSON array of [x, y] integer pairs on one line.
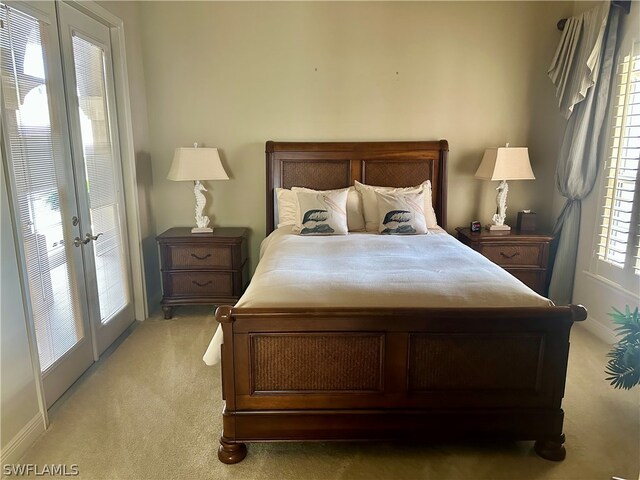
[[611, 284], [25, 438], [600, 295], [601, 331], [128, 156]]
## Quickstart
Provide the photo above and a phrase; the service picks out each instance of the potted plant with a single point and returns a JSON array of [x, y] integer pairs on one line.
[[623, 367]]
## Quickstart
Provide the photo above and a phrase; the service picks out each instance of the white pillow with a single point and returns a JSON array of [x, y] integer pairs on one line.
[[401, 213], [287, 207], [355, 214], [370, 203], [322, 213]]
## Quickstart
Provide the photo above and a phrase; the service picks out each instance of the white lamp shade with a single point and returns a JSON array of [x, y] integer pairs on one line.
[[505, 163], [190, 163]]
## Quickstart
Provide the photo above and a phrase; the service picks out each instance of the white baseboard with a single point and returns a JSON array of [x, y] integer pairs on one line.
[[25, 438], [601, 331]]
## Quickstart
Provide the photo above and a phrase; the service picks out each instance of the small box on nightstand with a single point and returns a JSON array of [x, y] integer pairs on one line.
[[526, 221]]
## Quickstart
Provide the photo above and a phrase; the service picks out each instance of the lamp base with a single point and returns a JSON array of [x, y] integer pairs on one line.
[[498, 228], [202, 230]]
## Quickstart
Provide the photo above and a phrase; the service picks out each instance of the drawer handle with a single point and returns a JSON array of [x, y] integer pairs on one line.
[[201, 258], [509, 256], [201, 284]]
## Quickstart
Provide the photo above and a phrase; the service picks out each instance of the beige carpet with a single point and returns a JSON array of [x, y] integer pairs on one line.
[[151, 410]]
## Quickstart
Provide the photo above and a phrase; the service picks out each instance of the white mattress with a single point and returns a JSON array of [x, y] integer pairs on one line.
[[364, 269]]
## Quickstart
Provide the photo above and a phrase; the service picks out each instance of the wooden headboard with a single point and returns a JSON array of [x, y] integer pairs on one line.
[[328, 166]]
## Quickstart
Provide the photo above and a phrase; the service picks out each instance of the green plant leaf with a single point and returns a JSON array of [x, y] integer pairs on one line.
[[623, 367]]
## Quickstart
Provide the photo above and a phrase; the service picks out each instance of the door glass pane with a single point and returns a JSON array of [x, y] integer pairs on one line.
[[102, 181], [39, 170]]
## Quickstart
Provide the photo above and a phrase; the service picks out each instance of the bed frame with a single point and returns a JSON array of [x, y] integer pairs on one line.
[[319, 374]]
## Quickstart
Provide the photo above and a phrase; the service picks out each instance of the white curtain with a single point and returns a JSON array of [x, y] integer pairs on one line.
[[575, 66], [584, 85]]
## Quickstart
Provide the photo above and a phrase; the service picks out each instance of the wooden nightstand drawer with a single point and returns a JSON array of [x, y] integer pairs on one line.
[[532, 278], [200, 283], [204, 268], [525, 255], [199, 256], [507, 255]]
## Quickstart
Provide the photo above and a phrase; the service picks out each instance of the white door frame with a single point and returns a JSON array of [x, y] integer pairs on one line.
[[127, 149], [127, 154], [45, 13]]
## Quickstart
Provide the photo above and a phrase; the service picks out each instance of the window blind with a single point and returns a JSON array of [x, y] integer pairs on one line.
[[102, 178], [38, 173], [619, 231]]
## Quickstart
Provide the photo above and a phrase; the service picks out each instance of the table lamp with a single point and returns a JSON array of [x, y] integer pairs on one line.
[[196, 164], [504, 163]]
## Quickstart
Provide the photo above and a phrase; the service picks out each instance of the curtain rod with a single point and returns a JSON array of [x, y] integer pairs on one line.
[[625, 5]]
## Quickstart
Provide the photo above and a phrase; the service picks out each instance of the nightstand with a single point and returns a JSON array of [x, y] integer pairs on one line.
[[523, 254], [202, 268]]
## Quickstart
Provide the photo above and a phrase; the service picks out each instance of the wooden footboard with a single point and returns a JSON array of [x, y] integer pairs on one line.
[[369, 374]]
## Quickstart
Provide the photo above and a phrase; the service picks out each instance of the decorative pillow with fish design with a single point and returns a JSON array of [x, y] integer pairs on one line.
[[370, 204], [401, 213], [355, 215], [322, 213]]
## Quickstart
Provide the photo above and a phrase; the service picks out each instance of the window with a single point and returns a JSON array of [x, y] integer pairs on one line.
[[618, 235]]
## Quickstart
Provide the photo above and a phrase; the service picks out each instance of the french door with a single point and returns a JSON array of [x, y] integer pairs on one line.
[[61, 145]]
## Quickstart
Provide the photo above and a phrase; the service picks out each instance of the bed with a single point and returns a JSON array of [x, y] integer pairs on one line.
[[436, 364]]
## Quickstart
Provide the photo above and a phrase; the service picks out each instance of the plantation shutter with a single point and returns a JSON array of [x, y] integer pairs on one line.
[[619, 232]]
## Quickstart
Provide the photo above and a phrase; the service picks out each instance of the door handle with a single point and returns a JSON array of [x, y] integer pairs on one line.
[[88, 237], [78, 241]]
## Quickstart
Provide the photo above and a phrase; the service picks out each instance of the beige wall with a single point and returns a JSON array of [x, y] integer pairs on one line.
[[233, 75]]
